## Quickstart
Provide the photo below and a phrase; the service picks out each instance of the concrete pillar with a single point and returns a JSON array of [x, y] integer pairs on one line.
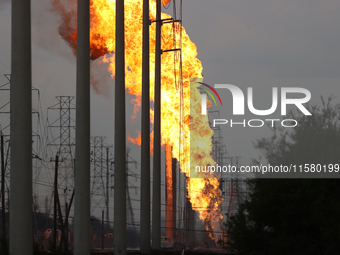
[[145, 154], [156, 193], [120, 137], [21, 216], [82, 166], [55, 202], [174, 191]]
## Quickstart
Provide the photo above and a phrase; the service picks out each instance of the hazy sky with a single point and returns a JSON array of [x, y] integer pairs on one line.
[[257, 43], [264, 44], [246, 43]]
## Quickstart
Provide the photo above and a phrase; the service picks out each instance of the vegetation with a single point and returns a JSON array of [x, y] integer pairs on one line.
[[294, 216]]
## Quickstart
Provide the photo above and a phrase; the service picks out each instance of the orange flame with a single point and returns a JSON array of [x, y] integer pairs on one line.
[[165, 2], [204, 193]]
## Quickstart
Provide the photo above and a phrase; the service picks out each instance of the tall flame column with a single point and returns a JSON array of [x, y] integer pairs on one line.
[[169, 213], [21, 218], [170, 193], [120, 134], [145, 155], [156, 198], [82, 171]]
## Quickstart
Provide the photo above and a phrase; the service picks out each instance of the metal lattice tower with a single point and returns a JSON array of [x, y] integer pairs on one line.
[[65, 142], [219, 152], [65, 150], [98, 185], [130, 217], [101, 171], [233, 187], [36, 135], [5, 130]]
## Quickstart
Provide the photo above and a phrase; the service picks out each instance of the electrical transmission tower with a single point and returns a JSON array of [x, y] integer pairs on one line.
[[219, 152], [62, 139], [100, 173], [232, 186], [130, 214], [102, 184], [98, 191], [5, 132], [234, 189]]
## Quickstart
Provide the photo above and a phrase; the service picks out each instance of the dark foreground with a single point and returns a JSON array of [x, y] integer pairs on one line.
[[155, 252]]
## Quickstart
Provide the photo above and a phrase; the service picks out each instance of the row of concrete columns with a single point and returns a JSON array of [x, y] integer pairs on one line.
[[21, 227], [145, 155]]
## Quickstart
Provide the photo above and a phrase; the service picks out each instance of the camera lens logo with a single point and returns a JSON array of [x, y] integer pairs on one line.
[[204, 97]]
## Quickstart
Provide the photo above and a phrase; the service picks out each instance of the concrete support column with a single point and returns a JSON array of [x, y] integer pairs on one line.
[[156, 197], [174, 196], [120, 137], [82, 166], [145, 154], [21, 202]]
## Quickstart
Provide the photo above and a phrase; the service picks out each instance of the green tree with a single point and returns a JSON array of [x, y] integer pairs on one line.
[[294, 216]]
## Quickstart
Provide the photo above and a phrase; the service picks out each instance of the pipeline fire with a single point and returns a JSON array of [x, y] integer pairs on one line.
[[204, 193]]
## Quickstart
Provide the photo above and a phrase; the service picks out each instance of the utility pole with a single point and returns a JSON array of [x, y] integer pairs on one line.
[[3, 188], [156, 198], [103, 230], [82, 241], [120, 136], [61, 223], [66, 227], [68, 207], [55, 202], [145, 150], [21, 215], [107, 184], [174, 193]]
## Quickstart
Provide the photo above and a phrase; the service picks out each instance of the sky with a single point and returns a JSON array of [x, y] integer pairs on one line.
[[264, 44], [245, 43], [258, 43]]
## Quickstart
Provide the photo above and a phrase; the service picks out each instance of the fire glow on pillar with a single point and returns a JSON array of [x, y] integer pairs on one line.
[[204, 193]]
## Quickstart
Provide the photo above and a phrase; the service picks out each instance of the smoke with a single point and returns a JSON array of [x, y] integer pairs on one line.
[[45, 30], [63, 33], [216, 223], [54, 30], [101, 79]]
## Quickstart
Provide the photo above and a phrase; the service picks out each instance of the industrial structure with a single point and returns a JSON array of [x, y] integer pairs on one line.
[[76, 176], [55, 135]]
